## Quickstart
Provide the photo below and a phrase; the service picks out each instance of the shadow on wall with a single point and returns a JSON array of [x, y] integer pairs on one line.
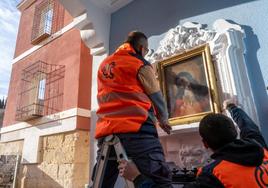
[[31, 176], [149, 16], [256, 78]]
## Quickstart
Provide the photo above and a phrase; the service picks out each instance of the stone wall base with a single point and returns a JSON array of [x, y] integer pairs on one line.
[[64, 161]]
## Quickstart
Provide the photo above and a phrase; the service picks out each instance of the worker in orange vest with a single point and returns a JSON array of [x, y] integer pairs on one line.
[[238, 163], [130, 105]]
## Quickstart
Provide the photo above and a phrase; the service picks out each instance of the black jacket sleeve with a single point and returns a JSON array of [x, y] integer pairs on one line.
[[143, 182], [249, 130], [205, 180]]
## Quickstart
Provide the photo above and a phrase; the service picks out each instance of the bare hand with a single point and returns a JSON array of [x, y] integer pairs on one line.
[[165, 126], [128, 170], [232, 100]]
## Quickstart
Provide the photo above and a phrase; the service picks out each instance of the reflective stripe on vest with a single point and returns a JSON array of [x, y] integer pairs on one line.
[[238, 176], [114, 96], [121, 113], [127, 111]]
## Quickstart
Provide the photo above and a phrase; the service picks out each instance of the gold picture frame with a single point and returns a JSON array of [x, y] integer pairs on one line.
[[188, 83]]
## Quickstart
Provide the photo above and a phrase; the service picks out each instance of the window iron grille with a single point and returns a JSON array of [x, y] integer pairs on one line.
[[41, 91], [48, 19]]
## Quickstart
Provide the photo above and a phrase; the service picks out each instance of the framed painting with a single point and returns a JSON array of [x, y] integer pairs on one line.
[[188, 83]]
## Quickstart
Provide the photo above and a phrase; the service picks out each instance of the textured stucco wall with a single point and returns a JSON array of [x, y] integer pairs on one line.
[[23, 42]]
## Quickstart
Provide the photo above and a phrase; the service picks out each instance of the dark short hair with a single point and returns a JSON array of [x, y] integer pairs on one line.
[[135, 39], [217, 130]]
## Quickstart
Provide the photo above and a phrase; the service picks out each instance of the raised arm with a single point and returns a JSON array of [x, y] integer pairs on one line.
[[150, 84], [249, 130]]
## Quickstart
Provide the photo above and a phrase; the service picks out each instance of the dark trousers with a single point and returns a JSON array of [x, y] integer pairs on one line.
[[146, 152]]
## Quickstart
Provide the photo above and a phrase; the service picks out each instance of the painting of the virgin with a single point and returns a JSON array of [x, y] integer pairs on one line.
[[189, 87]]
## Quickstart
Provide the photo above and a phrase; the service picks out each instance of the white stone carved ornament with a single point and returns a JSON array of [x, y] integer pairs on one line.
[[226, 42]]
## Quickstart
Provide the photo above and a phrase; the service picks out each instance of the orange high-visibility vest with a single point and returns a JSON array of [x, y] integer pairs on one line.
[[233, 175], [123, 104]]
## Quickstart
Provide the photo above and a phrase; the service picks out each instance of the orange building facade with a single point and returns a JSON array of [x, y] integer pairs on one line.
[[47, 119]]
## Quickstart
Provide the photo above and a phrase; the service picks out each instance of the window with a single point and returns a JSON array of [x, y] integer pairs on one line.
[[48, 19], [41, 91]]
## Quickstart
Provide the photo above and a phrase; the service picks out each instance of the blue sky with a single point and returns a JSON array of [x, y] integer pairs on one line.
[[9, 22]]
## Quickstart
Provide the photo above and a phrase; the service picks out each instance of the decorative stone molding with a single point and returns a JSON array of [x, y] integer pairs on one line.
[[181, 38], [88, 35], [95, 26], [227, 49]]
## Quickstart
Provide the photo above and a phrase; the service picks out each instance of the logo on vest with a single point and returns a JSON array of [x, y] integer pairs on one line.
[[107, 70], [261, 175]]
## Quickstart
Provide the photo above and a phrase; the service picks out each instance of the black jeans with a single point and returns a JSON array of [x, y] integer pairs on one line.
[[146, 152]]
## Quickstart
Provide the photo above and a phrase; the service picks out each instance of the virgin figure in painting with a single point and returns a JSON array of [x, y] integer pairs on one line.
[[191, 97]]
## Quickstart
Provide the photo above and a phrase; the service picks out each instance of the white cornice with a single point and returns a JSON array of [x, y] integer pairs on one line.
[[111, 5], [47, 119], [24, 4], [180, 129], [95, 27]]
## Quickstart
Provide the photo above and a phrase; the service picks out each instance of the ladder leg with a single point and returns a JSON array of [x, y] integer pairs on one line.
[[121, 154], [101, 165]]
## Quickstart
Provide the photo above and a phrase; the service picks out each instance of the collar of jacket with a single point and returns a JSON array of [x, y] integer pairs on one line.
[[241, 151], [125, 48]]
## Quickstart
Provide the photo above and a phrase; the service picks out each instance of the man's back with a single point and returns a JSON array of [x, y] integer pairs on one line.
[[127, 93], [123, 105], [236, 175], [239, 164]]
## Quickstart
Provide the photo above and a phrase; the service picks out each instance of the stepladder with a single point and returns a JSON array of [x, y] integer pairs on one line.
[[111, 141]]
